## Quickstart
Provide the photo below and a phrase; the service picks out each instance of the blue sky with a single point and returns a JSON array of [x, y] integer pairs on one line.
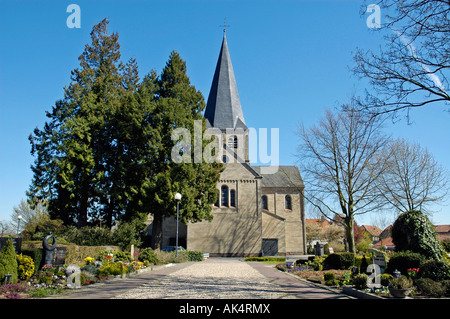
[[291, 60]]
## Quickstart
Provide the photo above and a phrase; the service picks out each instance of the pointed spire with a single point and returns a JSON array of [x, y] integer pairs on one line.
[[223, 109]]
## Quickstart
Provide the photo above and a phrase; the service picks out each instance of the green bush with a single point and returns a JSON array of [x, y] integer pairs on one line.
[[328, 276], [147, 254], [343, 260], [117, 255], [25, 268], [435, 270], [404, 260], [364, 265], [431, 288], [413, 231], [37, 255], [446, 245], [384, 279], [8, 262], [360, 281], [316, 263], [112, 269], [193, 255]]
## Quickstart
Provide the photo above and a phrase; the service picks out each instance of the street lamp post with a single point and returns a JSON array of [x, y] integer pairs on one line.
[[18, 224], [177, 198]]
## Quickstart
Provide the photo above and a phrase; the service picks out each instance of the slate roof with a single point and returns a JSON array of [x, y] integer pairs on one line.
[[223, 109], [286, 176]]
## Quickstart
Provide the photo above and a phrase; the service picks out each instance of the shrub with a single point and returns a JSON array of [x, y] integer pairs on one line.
[[360, 281], [90, 268], [147, 254], [328, 276], [385, 278], [446, 245], [364, 265], [193, 255], [316, 263], [8, 262], [36, 254], [343, 260], [435, 270], [404, 260], [400, 283], [431, 288], [117, 255], [113, 269], [25, 268], [413, 231]]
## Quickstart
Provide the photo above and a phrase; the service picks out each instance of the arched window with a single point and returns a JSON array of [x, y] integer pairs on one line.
[[288, 202], [264, 202], [233, 142], [224, 195], [232, 198]]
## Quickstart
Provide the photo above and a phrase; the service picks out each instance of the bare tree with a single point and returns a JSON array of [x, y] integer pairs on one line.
[[413, 68], [339, 165], [413, 179]]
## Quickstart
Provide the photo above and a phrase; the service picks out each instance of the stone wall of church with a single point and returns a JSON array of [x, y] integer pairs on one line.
[[234, 231], [276, 202]]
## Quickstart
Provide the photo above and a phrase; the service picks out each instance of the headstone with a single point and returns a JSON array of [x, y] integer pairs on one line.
[[60, 256], [17, 243], [379, 260], [318, 249]]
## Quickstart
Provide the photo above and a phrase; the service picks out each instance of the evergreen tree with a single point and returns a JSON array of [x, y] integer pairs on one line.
[[82, 156], [8, 262], [178, 105], [105, 152]]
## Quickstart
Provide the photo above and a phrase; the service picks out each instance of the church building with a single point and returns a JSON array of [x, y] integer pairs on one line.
[[258, 212]]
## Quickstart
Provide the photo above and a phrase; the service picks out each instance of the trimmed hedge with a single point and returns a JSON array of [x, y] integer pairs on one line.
[[403, 260], [435, 270], [343, 260]]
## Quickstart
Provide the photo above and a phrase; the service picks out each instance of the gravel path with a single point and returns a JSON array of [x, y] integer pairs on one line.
[[212, 279]]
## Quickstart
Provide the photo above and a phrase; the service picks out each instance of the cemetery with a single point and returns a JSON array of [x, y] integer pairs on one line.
[[36, 269], [418, 267]]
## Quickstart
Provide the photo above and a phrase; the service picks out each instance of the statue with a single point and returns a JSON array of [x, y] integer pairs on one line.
[[49, 249]]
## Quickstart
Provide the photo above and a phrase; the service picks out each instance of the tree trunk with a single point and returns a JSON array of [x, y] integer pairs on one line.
[[349, 233]]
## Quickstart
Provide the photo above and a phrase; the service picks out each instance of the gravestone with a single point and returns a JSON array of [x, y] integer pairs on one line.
[[318, 249], [379, 260], [60, 256], [17, 243]]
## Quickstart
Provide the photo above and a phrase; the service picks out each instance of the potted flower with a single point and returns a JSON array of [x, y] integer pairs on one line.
[[400, 287]]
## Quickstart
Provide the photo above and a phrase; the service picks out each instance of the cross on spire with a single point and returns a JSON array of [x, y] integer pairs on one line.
[[225, 25]]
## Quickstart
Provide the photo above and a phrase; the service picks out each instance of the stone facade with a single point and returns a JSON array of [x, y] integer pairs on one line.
[[256, 213]]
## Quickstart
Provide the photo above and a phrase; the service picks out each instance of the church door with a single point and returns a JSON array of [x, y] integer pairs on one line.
[[270, 246]]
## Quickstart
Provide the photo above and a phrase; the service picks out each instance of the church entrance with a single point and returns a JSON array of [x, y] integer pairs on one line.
[[270, 246]]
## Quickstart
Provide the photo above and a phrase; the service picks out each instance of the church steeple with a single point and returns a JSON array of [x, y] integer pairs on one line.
[[223, 109]]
